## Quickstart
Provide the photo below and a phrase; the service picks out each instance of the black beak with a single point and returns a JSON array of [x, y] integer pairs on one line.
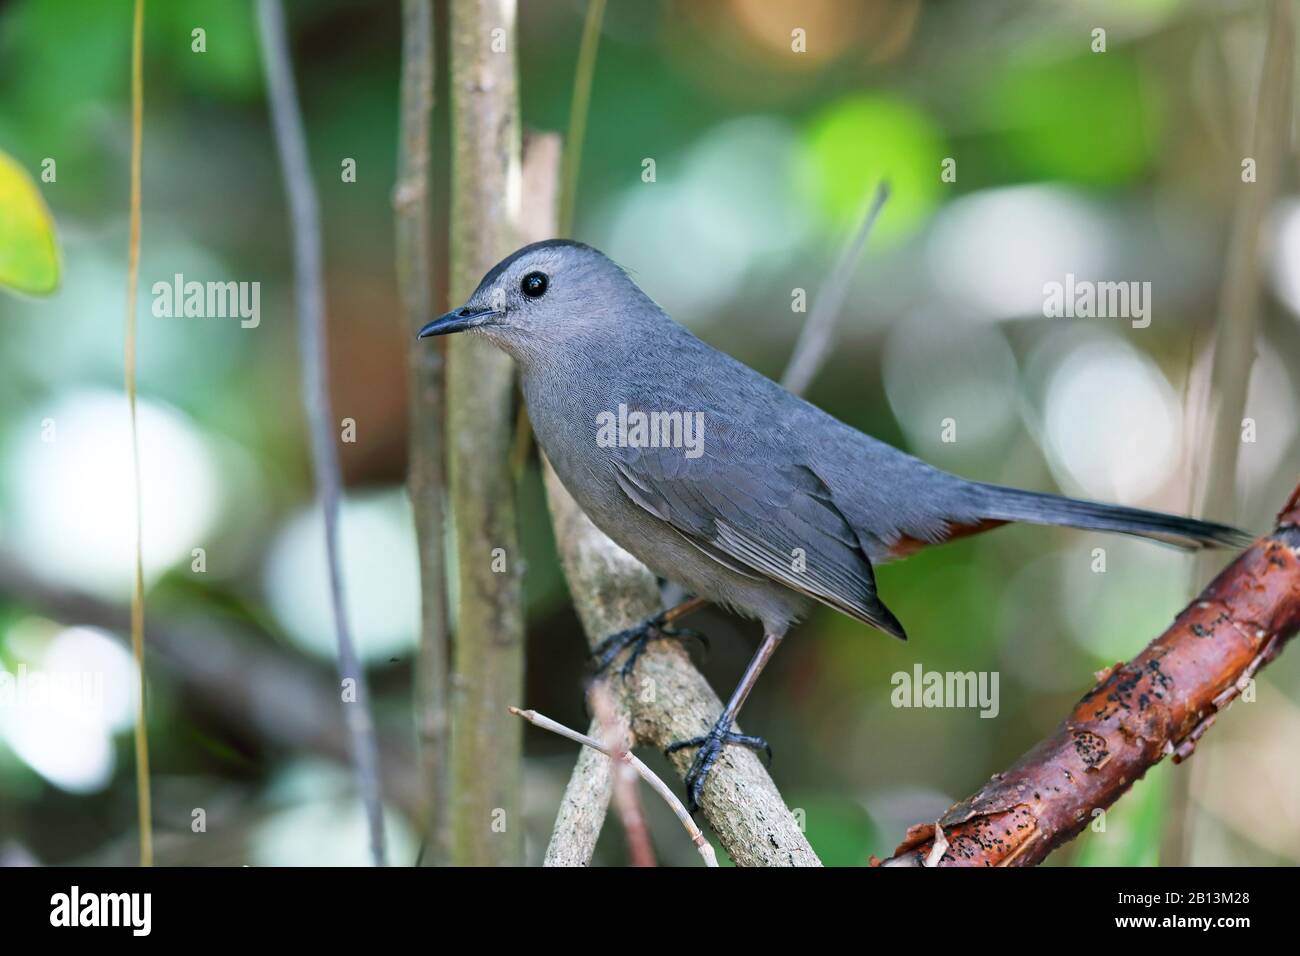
[[457, 321]]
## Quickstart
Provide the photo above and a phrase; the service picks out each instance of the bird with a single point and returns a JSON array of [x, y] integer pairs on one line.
[[719, 479]]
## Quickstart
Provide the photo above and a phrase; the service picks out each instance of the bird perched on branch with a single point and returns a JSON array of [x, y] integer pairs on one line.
[[718, 478]]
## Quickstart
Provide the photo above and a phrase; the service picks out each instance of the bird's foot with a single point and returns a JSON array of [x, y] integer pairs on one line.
[[711, 745], [638, 638]]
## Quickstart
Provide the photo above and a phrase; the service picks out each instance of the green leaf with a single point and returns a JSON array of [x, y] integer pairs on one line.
[[29, 254]]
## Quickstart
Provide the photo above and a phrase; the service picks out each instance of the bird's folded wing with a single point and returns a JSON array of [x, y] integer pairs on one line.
[[759, 520]]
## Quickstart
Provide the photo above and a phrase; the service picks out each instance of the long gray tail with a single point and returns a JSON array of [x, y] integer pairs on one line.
[[1012, 504]]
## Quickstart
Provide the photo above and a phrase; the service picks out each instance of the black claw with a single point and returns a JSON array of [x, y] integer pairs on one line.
[[629, 665], [677, 745], [711, 745], [753, 743], [638, 639]]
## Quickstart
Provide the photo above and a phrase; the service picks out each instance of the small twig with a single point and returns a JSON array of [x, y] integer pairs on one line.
[[137, 589], [818, 333], [626, 798], [426, 474], [1222, 398], [570, 162], [648, 775], [309, 295], [582, 80], [1217, 389]]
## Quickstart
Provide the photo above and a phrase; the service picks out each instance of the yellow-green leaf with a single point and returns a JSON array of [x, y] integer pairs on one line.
[[29, 255]]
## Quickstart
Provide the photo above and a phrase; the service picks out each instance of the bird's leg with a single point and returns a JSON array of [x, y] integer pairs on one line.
[[659, 627], [720, 734]]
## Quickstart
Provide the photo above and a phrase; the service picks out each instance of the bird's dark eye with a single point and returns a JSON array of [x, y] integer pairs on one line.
[[534, 285]]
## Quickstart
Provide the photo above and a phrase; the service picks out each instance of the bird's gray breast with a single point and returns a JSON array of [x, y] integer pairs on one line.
[[567, 421], [573, 428]]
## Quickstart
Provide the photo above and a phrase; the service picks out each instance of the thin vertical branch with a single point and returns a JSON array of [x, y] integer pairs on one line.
[[486, 745], [137, 591], [1217, 398], [818, 333], [583, 76], [309, 285], [1223, 400], [426, 478], [617, 736]]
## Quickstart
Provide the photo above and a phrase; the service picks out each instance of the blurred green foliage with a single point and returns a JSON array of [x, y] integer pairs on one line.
[[1133, 827], [883, 134], [1086, 118]]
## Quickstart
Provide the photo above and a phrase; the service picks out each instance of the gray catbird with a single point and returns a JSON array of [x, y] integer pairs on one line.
[[718, 478]]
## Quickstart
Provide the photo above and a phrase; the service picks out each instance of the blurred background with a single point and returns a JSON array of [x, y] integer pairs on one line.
[[1122, 165]]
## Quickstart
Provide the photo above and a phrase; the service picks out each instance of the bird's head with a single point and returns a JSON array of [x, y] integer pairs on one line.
[[546, 296]]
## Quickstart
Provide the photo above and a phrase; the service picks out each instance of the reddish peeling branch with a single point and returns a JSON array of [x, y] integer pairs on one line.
[[1158, 704]]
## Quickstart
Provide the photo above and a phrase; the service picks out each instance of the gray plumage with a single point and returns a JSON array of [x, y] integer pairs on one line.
[[786, 505]]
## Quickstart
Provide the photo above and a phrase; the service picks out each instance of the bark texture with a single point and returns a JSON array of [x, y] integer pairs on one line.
[[486, 741]]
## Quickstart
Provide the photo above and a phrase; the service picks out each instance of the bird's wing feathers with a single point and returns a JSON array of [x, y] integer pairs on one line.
[[758, 520]]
